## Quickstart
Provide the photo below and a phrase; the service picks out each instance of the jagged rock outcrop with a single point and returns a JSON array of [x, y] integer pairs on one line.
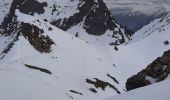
[[93, 15], [31, 32], [97, 20], [157, 71], [101, 84], [37, 40], [26, 7]]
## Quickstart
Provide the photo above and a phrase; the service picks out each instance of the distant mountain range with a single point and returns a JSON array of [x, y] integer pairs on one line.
[[134, 14]]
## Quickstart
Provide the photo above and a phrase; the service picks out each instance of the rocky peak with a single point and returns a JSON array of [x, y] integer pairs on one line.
[[97, 19], [26, 7], [32, 33], [92, 16]]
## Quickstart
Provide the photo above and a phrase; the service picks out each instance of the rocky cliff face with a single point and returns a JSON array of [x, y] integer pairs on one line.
[[97, 20], [93, 15], [31, 32], [25, 6], [14, 28], [157, 71]]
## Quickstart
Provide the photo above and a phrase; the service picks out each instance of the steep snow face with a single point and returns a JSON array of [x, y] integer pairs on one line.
[[93, 19], [157, 26], [71, 62], [136, 13], [159, 91], [144, 48], [73, 68]]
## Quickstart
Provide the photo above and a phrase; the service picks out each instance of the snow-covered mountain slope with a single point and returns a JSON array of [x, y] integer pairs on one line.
[[40, 61], [66, 67], [158, 91], [90, 20], [141, 51], [136, 13], [157, 26], [64, 70]]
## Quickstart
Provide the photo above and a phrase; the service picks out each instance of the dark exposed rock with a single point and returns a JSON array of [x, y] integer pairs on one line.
[[54, 8], [37, 40], [158, 69], [76, 34], [116, 48], [97, 19], [45, 20], [68, 22], [73, 91], [32, 6], [102, 84], [31, 32], [50, 29], [14, 28], [25, 6], [93, 90], [56, 22], [38, 68], [136, 82], [166, 42], [94, 14], [114, 79], [11, 30]]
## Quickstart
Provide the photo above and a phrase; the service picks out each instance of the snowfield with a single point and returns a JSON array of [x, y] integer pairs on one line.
[[158, 91], [72, 61]]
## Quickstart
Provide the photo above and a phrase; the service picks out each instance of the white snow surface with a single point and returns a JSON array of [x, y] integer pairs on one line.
[[158, 91], [73, 60]]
